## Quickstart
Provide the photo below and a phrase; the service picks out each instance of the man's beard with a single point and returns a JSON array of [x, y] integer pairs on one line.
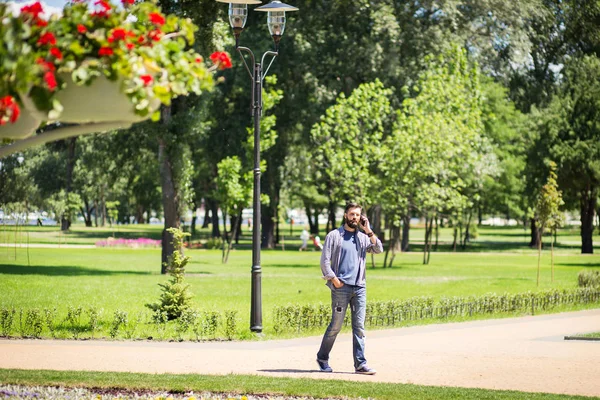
[[351, 223]]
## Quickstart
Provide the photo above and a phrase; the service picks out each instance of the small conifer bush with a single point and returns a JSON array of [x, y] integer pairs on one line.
[[175, 298]]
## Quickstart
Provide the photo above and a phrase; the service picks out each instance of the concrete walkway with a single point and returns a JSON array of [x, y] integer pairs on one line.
[[526, 354]]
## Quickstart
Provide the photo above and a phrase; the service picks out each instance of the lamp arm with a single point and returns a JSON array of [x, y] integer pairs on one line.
[[241, 49], [262, 62]]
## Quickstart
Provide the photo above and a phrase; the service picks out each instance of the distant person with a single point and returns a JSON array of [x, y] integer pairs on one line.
[[343, 264], [304, 236], [317, 242]]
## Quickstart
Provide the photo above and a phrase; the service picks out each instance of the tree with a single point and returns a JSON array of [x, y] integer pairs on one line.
[[234, 192], [346, 146], [436, 143], [547, 212], [569, 134]]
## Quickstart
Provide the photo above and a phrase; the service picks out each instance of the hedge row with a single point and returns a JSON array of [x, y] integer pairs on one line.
[[394, 312], [91, 322]]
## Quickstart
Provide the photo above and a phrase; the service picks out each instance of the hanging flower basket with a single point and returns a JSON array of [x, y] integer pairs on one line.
[[101, 101], [23, 126], [98, 62]]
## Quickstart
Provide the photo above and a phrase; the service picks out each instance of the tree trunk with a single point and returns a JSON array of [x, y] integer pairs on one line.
[[405, 246], [455, 230], [65, 223], [331, 217], [214, 217], [539, 255], [437, 233], [375, 219], [103, 205], [87, 213], [235, 221], [588, 202], [170, 204], [206, 215], [466, 238], [426, 240], [268, 225], [96, 213], [313, 220], [534, 233], [430, 234], [394, 245], [139, 214], [552, 257]]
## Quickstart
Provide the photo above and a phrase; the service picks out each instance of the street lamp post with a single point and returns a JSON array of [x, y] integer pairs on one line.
[[238, 13]]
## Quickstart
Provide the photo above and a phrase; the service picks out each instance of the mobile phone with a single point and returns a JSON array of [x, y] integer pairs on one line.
[[363, 220]]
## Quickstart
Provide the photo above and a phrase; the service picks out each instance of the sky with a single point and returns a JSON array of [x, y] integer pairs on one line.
[[51, 3]]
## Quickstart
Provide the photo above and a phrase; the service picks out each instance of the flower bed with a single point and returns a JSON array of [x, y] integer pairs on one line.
[[132, 243]]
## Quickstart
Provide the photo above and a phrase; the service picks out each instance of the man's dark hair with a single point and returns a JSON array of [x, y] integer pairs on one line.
[[351, 205]]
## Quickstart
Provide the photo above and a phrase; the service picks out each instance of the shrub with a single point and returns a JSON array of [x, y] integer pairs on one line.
[[74, 321], [120, 319], [214, 243], [7, 316], [175, 298], [589, 279], [230, 324]]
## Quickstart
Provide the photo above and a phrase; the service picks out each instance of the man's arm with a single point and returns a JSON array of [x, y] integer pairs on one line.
[[328, 273], [375, 245]]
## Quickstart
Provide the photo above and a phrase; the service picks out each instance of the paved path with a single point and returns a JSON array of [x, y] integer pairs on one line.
[[526, 354]]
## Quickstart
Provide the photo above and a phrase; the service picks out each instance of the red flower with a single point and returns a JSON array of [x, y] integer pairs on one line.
[[155, 35], [157, 19], [118, 34], [141, 39], [130, 46], [9, 110], [81, 29], [199, 59], [100, 14], [147, 79], [50, 80], [56, 53], [127, 2], [34, 9], [46, 65], [221, 59], [41, 23], [46, 38], [105, 51], [103, 4]]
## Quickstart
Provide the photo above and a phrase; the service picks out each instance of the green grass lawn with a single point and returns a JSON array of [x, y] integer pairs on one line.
[[126, 279], [259, 385], [503, 239]]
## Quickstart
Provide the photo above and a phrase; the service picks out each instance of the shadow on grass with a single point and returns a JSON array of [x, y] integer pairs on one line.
[[585, 265], [62, 271]]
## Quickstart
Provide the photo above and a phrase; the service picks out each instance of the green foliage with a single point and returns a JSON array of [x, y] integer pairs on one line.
[[49, 319], [94, 316], [214, 243], [112, 209], [346, 144], [120, 319], [73, 319], [175, 297], [35, 322], [548, 203], [396, 312], [588, 279], [230, 324]]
